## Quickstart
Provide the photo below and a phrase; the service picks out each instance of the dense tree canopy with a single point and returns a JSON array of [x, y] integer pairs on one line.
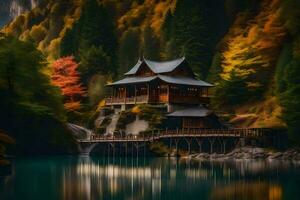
[[31, 108]]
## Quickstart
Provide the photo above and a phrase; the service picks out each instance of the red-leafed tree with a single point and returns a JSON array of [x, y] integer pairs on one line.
[[66, 77]]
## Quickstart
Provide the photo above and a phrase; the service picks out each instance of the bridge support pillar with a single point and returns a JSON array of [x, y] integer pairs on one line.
[[112, 145], [170, 147], [188, 141], [224, 141], [176, 147], [126, 148], [211, 142], [145, 146], [199, 142]]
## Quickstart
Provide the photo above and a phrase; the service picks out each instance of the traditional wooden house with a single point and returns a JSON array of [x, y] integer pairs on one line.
[[171, 83]]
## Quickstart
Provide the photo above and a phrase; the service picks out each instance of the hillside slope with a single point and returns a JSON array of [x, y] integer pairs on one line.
[[248, 48]]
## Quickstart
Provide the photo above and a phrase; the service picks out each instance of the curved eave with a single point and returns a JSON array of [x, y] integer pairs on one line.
[[168, 79], [157, 67]]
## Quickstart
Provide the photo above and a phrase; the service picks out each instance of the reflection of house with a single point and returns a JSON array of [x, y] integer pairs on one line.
[[172, 83]]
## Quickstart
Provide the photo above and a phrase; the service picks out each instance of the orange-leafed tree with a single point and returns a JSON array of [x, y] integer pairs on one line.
[[66, 77]]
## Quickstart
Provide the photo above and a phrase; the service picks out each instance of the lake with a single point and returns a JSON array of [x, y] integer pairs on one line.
[[89, 178]]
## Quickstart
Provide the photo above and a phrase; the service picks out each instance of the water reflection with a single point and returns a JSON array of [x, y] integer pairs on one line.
[[89, 178]]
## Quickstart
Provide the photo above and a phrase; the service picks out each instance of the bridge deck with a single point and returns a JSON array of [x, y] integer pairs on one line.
[[179, 133]]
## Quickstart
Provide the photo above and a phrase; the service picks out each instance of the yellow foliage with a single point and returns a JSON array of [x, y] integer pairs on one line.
[[101, 105], [252, 50], [53, 49], [150, 12], [136, 109], [25, 35], [38, 33]]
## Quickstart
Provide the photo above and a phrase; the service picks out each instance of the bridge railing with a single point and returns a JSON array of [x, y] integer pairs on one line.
[[154, 134]]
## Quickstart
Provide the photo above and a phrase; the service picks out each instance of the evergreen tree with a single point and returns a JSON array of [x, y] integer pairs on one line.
[[151, 46], [230, 92], [188, 35], [94, 29], [94, 61], [129, 50], [31, 108], [290, 100]]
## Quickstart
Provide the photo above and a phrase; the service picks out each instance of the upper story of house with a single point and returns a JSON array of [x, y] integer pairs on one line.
[[160, 82]]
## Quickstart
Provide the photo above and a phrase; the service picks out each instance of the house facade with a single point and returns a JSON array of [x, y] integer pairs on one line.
[[171, 83]]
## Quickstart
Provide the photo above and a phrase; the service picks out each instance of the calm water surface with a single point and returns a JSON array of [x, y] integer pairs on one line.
[[89, 178]]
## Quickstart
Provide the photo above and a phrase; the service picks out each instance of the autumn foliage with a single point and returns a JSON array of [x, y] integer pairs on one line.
[[66, 77]]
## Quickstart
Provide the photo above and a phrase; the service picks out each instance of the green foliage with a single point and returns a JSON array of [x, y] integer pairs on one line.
[[283, 59], [93, 42], [31, 108], [126, 117], [4, 140], [94, 28], [154, 115], [96, 89], [106, 121], [151, 46], [190, 32], [94, 60], [230, 92], [21, 75], [38, 33], [159, 148], [129, 50], [215, 69], [290, 100]]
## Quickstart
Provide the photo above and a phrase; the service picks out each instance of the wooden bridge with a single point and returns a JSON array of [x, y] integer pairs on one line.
[[179, 133], [213, 136]]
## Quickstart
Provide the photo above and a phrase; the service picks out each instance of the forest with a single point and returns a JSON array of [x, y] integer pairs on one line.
[[56, 59]]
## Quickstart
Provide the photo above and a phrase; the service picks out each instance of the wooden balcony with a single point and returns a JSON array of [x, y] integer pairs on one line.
[[156, 99], [127, 100]]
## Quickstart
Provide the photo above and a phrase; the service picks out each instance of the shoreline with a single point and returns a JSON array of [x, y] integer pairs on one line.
[[250, 153]]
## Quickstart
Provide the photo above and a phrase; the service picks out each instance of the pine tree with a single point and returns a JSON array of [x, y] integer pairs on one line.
[[94, 28], [187, 31], [129, 51], [151, 46]]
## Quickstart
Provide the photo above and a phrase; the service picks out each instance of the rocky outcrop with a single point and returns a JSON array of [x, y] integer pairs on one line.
[[251, 153]]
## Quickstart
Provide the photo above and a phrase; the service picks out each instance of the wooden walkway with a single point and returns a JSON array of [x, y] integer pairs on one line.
[[179, 133]]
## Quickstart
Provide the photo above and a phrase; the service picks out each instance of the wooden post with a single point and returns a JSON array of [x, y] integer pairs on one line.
[[170, 147], [134, 94], [148, 92], [137, 149], [125, 95], [224, 145], [211, 141], [199, 142], [144, 149], [176, 147], [113, 94], [168, 93]]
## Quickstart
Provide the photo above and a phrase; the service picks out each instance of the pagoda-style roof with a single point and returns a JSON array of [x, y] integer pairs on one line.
[[168, 79], [157, 67], [199, 111]]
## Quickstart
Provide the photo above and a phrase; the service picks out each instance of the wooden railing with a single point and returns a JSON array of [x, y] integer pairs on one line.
[[159, 99], [157, 134], [127, 100]]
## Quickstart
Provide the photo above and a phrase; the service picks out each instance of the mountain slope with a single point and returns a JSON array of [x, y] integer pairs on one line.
[[247, 48]]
